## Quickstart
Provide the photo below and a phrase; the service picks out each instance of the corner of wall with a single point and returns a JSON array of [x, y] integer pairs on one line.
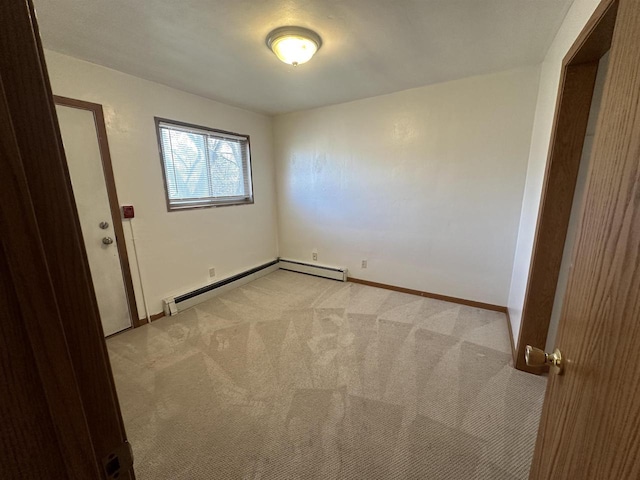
[[276, 189]]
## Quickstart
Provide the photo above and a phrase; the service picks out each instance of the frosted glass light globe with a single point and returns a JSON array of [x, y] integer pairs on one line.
[[294, 45]]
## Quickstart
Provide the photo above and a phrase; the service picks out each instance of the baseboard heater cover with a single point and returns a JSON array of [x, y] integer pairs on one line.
[[174, 305], [334, 273]]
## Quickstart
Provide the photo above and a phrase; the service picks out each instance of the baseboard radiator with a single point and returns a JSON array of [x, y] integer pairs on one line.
[[174, 305], [334, 273]]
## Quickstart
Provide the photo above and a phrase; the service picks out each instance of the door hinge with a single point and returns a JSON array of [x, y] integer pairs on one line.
[[118, 461]]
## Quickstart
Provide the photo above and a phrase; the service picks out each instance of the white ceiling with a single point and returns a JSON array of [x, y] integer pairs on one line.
[[216, 48]]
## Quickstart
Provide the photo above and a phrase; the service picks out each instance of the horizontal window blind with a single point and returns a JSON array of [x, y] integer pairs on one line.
[[204, 167]]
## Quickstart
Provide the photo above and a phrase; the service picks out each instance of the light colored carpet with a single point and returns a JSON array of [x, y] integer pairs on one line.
[[298, 377]]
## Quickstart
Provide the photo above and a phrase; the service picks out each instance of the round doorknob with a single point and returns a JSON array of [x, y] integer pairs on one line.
[[107, 240], [539, 358]]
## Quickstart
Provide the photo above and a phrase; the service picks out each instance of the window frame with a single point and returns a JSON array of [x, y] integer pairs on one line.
[[209, 203]]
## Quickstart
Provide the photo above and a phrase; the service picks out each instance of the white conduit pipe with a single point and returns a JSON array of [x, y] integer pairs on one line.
[[135, 254]]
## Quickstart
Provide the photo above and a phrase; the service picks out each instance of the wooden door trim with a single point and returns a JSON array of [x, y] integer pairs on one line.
[[41, 319], [31, 107], [577, 81], [595, 38], [114, 204]]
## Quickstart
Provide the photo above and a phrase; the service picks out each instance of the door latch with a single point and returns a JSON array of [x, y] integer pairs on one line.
[[118, 461]]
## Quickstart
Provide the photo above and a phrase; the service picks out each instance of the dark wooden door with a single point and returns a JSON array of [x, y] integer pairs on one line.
[[591, 417], [43, 427], [59, 411]]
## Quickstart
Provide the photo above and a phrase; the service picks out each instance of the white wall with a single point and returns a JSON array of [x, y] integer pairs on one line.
[[175, 249], [426, 184], [573, 23]]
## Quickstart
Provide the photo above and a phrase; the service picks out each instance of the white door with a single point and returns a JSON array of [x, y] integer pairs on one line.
[[89, 188]]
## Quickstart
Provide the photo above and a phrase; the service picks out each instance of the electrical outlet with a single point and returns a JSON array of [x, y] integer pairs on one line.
[[364, 264], [212, 272], [314, 255]]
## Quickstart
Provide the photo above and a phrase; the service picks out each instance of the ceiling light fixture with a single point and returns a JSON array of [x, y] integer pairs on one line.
[[294, 45]]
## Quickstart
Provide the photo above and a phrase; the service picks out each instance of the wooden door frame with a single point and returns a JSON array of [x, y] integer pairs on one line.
[[114, 204], [577, 82], [46, 198]]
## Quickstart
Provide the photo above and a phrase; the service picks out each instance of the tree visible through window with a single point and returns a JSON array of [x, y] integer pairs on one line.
[[204, 167]]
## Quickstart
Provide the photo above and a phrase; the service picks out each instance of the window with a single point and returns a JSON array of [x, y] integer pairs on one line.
[[204, 167]]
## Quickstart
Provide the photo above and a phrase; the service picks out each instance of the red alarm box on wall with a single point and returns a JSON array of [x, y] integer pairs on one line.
[[127, 211]]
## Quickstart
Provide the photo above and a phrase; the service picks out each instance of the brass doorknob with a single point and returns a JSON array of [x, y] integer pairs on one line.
[[538, 358]]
